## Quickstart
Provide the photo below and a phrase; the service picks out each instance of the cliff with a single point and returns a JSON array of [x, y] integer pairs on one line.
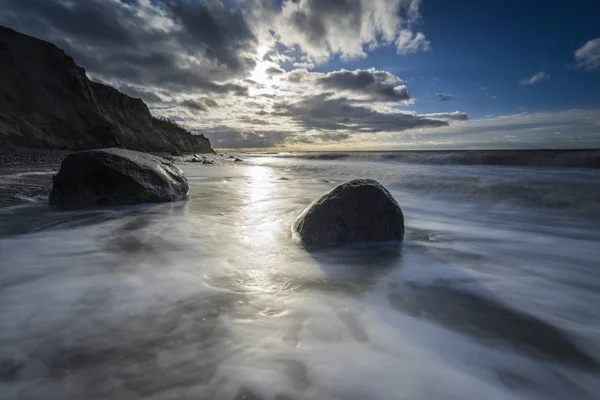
[[47, 101]]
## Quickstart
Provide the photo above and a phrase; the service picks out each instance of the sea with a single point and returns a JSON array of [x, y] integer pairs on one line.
[[494, 293]]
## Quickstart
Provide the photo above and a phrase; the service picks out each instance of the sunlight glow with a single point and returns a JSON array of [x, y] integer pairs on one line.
[[259, 74], [258, 227]]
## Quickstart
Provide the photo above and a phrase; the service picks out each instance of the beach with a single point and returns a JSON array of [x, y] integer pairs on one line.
[[491, 295]]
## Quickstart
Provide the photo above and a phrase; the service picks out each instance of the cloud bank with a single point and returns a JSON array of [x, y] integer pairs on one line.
[[234, 71], [376, 85]]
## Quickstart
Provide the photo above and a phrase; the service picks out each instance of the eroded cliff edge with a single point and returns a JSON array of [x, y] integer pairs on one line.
[[47, 101]]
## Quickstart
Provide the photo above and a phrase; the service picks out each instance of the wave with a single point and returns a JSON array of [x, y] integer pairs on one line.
[[573, 190], [542, 158], [579, 194]]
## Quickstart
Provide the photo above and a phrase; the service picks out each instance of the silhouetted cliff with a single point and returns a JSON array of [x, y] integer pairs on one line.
[[47, 101]]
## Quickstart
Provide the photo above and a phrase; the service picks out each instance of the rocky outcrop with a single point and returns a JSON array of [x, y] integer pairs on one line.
[[47, 101], [117, 176], [355, 212], [179, 138]]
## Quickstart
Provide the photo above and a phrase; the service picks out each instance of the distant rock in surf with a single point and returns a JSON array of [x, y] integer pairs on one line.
[[358, 211], [117, 176]]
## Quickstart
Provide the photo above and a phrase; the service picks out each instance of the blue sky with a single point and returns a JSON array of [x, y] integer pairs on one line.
[[343, 74], [481, 50]]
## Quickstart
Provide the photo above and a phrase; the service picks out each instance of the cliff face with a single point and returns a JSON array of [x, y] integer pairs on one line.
[[47, 101]]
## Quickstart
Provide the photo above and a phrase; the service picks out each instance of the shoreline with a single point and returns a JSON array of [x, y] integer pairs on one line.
[[26, 174], [568, 158], [21, 156]]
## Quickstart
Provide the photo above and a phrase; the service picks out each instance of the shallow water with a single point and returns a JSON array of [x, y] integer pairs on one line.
[[493, 295]]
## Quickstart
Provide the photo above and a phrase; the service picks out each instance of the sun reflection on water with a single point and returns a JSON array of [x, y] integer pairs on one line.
[[259, 227]]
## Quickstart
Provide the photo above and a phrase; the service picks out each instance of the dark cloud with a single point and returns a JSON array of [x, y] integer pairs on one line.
[[210, 103], [272, 71], [332, 137], [198, 104], [227, 137], [321, 113], [297, 75], [147, 95], [280, 54], [254, 121], [443, 97], [223, 33], [172, 44], [377, 85], [317, 17]]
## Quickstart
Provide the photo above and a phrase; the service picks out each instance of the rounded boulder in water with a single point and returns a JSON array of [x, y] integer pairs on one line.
[[117, 176], [358, 211]]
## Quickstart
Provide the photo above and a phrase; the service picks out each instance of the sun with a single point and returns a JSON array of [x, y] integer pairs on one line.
[[259, 74]]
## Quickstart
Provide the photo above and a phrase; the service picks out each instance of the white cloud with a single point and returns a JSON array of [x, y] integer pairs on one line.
[[588, 55], [540, 76], [452, 116], [320, 29], [411, 42], [575, 128]]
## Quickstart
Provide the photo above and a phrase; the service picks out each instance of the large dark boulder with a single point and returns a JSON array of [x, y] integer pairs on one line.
[[355, 212], [117, 176]]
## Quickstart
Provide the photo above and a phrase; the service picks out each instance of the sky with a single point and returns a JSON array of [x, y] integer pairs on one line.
[[343, 74]]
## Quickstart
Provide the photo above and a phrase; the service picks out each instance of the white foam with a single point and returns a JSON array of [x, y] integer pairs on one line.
[[211, 298]]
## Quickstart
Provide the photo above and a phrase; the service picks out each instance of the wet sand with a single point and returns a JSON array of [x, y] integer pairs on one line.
[[26, 174]]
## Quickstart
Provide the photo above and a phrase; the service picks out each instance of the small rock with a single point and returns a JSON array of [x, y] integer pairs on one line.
[[238, 160]]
